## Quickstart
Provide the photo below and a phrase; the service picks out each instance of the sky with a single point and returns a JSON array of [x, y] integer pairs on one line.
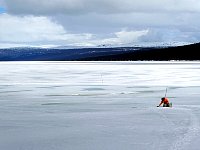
[[91, 23]]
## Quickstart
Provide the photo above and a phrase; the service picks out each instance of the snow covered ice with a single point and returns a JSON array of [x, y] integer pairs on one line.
[[99, 106]]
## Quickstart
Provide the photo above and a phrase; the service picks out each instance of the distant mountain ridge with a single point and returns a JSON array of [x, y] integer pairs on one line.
[[186, 52]]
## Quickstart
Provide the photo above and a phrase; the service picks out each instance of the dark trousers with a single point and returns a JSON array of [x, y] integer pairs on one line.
[[166, 105]]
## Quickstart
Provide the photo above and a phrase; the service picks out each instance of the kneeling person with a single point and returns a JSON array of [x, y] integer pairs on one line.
[[165, 102]]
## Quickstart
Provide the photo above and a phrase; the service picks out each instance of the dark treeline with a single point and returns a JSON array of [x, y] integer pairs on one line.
[[187, 52]]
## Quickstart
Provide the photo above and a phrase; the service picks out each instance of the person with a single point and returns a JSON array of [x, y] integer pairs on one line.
[[165, 102]]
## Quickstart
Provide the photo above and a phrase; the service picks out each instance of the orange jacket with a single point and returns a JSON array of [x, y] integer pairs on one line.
[[165, 101]]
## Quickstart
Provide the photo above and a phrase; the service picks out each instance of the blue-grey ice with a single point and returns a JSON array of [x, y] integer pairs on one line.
[[99, 105]]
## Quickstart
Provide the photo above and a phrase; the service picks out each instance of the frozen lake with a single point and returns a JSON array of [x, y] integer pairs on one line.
[[99, 106]]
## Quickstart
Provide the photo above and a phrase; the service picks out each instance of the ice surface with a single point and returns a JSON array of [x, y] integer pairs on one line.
[[99, 106]]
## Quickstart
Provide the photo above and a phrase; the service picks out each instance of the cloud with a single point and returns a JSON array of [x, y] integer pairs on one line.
[[47, 7], [148, 37], [18, 30], [36, 31], [168, 36], [97, 22], [30, 29], [124, 37]]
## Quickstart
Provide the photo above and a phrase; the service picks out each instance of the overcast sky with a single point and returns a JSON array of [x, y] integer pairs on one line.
[[98, 22]]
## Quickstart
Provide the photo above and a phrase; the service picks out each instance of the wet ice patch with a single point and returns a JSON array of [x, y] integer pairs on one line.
[[94, 89], [50, 104]]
